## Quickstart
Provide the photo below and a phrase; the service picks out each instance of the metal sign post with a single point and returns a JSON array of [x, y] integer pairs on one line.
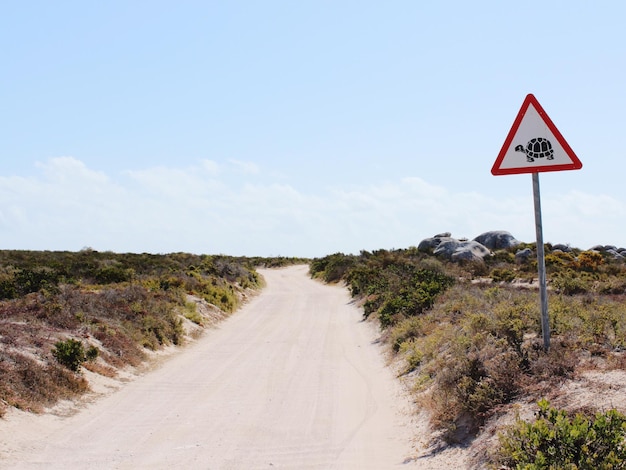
[[535, 145], [541, 265]]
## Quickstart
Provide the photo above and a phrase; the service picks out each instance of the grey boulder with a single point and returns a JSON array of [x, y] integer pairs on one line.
[[497, 240], [523, 255], [428, 245], [470, 251], [561, 247], [457, 250]]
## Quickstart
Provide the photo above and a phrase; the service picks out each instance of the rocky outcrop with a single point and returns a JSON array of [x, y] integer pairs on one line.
[[444, 246]]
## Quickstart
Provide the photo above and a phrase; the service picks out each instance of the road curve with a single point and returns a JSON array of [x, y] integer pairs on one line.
[[293, 380]]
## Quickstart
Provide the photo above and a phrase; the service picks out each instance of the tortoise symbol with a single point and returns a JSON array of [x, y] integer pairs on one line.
[[537, 148]]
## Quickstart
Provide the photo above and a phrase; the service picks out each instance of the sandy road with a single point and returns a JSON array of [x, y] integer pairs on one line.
[[292, 381]]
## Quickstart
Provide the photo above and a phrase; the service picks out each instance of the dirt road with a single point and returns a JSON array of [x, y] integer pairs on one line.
[[291, 381]]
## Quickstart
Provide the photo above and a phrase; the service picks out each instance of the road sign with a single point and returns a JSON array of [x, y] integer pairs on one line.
[[534, 144]]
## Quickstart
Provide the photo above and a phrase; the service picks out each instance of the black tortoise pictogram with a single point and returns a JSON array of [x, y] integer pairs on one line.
[[538, 147]]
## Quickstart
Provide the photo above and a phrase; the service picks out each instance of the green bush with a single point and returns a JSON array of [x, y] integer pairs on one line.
[[411, 290], [70, 353], [92, 353], [502, 256], [405, 331], [556, 440], [570, 283], [111, 274], [190, 312], [7, 286], [34, 280], [502, 275], [331, 268]]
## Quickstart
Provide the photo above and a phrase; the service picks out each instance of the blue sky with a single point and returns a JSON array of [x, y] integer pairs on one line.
[[302, 128]]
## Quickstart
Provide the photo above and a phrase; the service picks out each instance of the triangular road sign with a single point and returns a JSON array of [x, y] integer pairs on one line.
[[534, 144]]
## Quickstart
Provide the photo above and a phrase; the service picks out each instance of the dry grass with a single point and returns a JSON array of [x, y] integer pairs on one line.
[[30, 385]]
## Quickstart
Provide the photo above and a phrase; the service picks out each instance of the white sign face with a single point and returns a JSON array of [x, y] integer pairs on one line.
[[534, 144]]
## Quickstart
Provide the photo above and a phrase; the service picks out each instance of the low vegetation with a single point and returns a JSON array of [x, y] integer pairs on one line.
[[557, 439], [468, 336], [61, 312]]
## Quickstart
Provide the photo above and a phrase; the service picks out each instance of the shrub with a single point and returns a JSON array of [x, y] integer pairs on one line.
[[570, 283], [407, 330], [29, 385], [7, 286], [557, 260], [92, 353], [158, 330], [190, 312], [502, 275], [332, 268], [413, 292], [478, 374], [502, 256], [111, 274], [557, 440], [551, 367], [589, 261], [70, 353]]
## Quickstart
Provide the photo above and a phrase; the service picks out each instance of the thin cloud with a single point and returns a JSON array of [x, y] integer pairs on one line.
[[210, 166], [245, 167], [63, 169], [67, 206]]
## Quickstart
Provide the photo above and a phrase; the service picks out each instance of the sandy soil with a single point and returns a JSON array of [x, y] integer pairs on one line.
[[294, 380]]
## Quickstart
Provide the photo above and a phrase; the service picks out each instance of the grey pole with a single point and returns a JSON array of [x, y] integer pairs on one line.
[[541, 265]]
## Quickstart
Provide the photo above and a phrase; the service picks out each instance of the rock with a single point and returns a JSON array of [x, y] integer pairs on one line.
[[446, 248], [456, 250], [523, 256], [497, 240], [561, 247], [615, 254], [429, 244], [612, 250], [470, 251]]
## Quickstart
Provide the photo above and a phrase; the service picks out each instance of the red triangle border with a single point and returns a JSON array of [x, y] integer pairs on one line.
[[530, 99]]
